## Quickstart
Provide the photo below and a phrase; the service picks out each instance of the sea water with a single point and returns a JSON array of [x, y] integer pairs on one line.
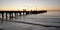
[[51, 18]]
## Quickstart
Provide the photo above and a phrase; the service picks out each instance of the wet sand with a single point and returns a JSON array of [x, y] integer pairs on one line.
[[30, 22]]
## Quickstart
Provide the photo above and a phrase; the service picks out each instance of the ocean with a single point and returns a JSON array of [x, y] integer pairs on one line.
[[46, 21]]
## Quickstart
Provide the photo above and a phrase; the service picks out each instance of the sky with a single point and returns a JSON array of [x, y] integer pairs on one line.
[[30, 4]]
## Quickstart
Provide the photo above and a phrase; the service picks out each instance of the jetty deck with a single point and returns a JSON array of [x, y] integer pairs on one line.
[[19, 12]]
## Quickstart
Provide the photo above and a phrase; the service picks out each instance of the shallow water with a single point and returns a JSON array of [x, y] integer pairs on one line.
[[49, 18]]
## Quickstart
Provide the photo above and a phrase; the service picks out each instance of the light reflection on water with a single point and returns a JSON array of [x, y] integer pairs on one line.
[[49, 18]]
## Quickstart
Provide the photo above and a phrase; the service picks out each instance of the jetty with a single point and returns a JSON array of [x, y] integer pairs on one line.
[[24, 12]]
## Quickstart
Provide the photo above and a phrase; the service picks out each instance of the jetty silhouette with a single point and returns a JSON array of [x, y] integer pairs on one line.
[[16, 13]]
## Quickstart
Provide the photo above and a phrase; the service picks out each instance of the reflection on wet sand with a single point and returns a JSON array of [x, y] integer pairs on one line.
[[13, 20], [1, 29]]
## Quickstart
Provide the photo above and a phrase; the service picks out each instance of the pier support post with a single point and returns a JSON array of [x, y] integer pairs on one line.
[[3, 16], [15, 14], [20, 13], [6, 15], [12, 15], [27, 13]]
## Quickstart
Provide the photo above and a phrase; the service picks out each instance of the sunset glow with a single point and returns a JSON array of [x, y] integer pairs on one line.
[[29, 4]]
